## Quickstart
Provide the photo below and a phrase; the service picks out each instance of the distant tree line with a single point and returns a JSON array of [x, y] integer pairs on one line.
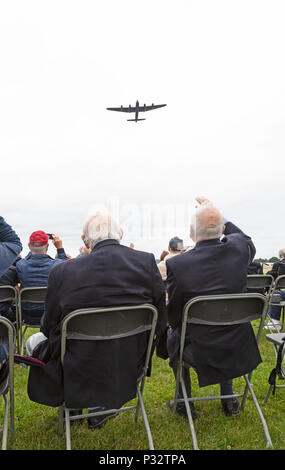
[[273, 259]]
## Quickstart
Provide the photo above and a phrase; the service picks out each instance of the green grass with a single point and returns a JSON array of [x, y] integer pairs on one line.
[[36, 425]]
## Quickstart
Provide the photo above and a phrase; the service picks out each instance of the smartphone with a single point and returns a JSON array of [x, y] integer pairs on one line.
[[50, 236]]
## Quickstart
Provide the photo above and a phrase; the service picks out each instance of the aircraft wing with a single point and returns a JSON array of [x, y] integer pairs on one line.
[[149, 108], [123, 109]]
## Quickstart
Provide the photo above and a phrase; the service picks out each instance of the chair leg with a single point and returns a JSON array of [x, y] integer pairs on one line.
[[139, 387], [23, 339], [282, 318], [189, 414], [268, 393], [60, 421], [12, 413], [5, 427], [264, 424], [144, 415], [67, 429]]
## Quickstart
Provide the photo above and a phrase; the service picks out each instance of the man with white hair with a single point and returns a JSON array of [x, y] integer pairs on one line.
[[111, 275], [278, 267], [216, 265]]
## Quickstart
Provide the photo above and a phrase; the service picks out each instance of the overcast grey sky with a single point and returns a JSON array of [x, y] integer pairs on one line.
[[219, 66]]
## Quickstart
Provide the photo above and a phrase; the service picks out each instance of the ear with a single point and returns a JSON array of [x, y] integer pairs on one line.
[[192, 234], [121, 233], [224, 228], [83, 239]]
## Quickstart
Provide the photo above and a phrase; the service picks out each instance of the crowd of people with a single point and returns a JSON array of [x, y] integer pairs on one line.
[[106, 273]]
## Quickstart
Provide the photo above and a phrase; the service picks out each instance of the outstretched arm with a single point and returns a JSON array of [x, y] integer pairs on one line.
[[10, 246]]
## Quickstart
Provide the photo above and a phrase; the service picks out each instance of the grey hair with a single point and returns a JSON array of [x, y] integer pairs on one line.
[[200, 231], [100, 226], [282, 253], [38, 249]]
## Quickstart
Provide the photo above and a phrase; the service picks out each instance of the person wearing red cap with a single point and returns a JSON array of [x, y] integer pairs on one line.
[[34, 269], [38, 238]]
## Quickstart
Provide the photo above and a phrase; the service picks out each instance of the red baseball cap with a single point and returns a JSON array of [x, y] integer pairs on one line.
[[39, 237]]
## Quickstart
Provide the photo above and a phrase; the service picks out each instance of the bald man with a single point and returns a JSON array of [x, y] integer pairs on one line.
[[216, 265]]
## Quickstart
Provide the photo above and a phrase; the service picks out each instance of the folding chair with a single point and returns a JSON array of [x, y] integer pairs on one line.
[[109, 323], [10, 294], [277, 339], [232, 309], [275, 299], [32, 295], [7, 337], [260, 282]]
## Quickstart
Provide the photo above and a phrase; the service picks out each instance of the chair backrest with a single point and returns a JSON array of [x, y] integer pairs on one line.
[[7, 337], [259, 281], [109, 323], [8, 293], [30, 295], [228, 309], [280, 282], [33, 295]]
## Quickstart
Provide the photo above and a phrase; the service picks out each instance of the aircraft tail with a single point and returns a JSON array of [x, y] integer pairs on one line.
[[141, 119]]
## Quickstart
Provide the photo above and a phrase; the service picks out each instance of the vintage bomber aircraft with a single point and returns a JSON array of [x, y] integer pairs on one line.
[[136, 109]]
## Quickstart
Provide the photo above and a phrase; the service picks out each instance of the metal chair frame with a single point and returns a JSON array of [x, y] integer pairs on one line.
[[7, 336], [28, 294], [276, 340], [259, 281], [93, 332], [200, 318], [10, 294], [278, 284]]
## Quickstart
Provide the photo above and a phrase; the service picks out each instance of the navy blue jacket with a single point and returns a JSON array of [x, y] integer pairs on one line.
[[10, 246], [33, 271], [275, 271], [213, 267]]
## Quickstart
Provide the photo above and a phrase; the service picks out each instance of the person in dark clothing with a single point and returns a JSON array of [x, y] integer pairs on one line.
[[279, 266], [7, 309], [10, 248], [274, 312], [111, 275], [255, 267], [216, 265], [32, 271]]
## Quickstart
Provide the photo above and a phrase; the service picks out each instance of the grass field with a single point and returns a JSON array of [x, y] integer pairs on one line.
[[36, 425]]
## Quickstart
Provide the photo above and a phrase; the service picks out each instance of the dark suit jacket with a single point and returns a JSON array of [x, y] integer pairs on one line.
[[102, 373], [255, 268], [274, 272], [213, 267]]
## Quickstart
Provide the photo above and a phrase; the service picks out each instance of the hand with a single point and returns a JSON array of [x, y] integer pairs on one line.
[[202, 200], [57, 242]]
